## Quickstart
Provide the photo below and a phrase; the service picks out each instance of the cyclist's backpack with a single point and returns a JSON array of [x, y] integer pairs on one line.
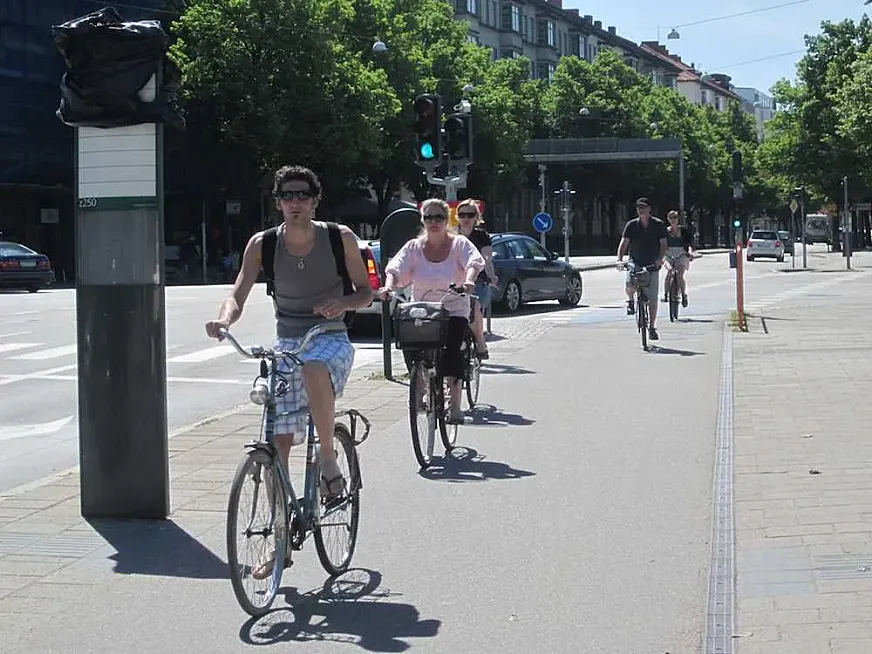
[[270, 238]]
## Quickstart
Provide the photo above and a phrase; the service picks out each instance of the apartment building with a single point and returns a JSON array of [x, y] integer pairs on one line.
[[758, 104], [702, 90], [543, 31]]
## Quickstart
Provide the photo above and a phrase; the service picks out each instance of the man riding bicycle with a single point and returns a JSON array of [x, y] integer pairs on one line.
[[644, 238], [679, 252], [308, 290]]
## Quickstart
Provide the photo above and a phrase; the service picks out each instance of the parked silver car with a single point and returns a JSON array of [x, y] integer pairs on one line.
[[765, 243]]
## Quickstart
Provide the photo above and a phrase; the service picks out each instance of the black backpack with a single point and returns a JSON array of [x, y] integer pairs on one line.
[[270, 238]]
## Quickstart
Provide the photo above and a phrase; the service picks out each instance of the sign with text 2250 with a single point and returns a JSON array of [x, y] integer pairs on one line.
[[87, 203]]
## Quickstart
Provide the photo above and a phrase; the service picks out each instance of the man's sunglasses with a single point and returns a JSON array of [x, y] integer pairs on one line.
[[466, 214], [434, 217], [294, 195]]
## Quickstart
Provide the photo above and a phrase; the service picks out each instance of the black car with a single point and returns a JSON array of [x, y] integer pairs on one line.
[[21, 267], [528, 272]]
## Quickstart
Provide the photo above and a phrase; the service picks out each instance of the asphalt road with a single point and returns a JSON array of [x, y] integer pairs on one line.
[[38, 389]]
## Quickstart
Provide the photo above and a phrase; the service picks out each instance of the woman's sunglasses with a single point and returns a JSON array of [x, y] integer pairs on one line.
[[466, 214], [434, 217]]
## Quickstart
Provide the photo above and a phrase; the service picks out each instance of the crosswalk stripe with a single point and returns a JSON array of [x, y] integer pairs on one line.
[[11, 347], [42, 355], [207, 354]]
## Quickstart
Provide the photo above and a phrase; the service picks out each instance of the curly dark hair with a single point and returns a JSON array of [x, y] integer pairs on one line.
[[287, 173]]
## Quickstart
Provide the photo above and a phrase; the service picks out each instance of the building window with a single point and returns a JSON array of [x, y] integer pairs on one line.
[[546, 70], [474, 38], [472, 6], [550, 34], [510, 53], [511, 17]]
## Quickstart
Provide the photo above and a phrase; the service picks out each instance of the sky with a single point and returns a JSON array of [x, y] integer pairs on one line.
[[725, 46]]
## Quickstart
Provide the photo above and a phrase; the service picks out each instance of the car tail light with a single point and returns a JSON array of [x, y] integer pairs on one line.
[[748, 244], [8, 264], [778, 244], [371, 272], [44, 264]]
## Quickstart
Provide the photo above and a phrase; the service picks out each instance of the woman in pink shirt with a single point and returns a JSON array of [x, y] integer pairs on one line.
[[431, 263]]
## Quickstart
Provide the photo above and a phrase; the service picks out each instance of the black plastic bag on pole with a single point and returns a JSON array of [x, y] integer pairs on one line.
[[109, 63]]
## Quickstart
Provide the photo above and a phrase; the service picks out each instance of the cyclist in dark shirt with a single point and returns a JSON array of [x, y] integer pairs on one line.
[[470, 226], [645, 239]]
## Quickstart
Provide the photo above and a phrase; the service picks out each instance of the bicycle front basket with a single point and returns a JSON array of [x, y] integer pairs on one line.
[[420, 325]]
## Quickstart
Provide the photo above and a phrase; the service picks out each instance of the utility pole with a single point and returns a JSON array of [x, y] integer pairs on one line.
[[801, 191], [565, 193], [542, 203], [846, 226]]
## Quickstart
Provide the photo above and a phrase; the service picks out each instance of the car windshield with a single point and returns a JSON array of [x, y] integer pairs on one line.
[[783, 235], [765, 236], [14, 250]]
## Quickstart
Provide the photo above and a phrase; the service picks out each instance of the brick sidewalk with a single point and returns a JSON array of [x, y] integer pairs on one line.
[[803, 489]]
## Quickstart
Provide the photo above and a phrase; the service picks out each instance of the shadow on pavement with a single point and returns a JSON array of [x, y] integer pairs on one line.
[[350, 608], [487, 415], [488, 368], [656, 349], [160, 548], [466, 464], [701, 320]]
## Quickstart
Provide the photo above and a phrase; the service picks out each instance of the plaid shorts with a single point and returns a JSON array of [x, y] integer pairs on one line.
[[336, 352]]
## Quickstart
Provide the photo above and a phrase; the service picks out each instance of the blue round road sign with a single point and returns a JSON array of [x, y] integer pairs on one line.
[[542, 222]]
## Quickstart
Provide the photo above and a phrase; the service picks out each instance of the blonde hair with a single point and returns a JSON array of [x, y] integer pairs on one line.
[[673, 213], [430, 202]]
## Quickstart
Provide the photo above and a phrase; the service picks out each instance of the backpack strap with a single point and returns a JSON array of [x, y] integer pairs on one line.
[[267, 258], [338, 248]]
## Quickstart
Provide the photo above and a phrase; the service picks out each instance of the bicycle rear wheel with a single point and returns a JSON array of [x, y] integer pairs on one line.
[[448, 433], [472, 383], [336, 531], [255, 596], [423, 411]]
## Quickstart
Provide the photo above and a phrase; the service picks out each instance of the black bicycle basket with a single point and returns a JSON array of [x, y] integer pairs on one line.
[[420, 325]]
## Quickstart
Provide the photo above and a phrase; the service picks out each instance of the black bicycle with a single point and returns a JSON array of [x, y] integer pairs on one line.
[[420, 329], [641, 276], [673, 288]]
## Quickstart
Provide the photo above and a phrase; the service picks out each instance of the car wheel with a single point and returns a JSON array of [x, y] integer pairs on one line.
[[512, 297], [781, 259], [573, 292], [32, 289], [750, 258]]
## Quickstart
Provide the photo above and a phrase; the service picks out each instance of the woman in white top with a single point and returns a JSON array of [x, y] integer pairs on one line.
[[432, 262]]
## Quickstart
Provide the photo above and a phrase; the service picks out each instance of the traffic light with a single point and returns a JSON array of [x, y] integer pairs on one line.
[[428, 127], [737, 223], [737, 166], [458, 132]]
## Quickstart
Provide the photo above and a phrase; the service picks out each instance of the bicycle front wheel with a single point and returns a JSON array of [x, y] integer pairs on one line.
[[642, 311], [336, 531], [254, 535], [422, 413], [673, 298]]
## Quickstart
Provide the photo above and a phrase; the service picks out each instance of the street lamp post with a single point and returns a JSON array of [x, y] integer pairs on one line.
[[801, 191]]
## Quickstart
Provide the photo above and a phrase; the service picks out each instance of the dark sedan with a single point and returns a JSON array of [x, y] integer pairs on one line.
[[528, 272], [21, 267]]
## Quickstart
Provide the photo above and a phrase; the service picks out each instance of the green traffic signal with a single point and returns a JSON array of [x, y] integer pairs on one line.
[[428, 126], [737, 223]]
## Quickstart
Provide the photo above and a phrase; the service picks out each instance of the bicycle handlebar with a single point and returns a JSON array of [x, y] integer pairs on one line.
[[259, 352]]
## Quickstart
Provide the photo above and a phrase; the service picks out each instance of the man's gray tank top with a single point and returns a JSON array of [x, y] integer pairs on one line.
[[300, 287]]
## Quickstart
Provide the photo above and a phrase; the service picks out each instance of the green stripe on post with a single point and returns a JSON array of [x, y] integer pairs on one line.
[[117, 204]]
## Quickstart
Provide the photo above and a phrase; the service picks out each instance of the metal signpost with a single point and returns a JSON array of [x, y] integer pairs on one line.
[[794, 206], [847, 232], [565, 193]]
